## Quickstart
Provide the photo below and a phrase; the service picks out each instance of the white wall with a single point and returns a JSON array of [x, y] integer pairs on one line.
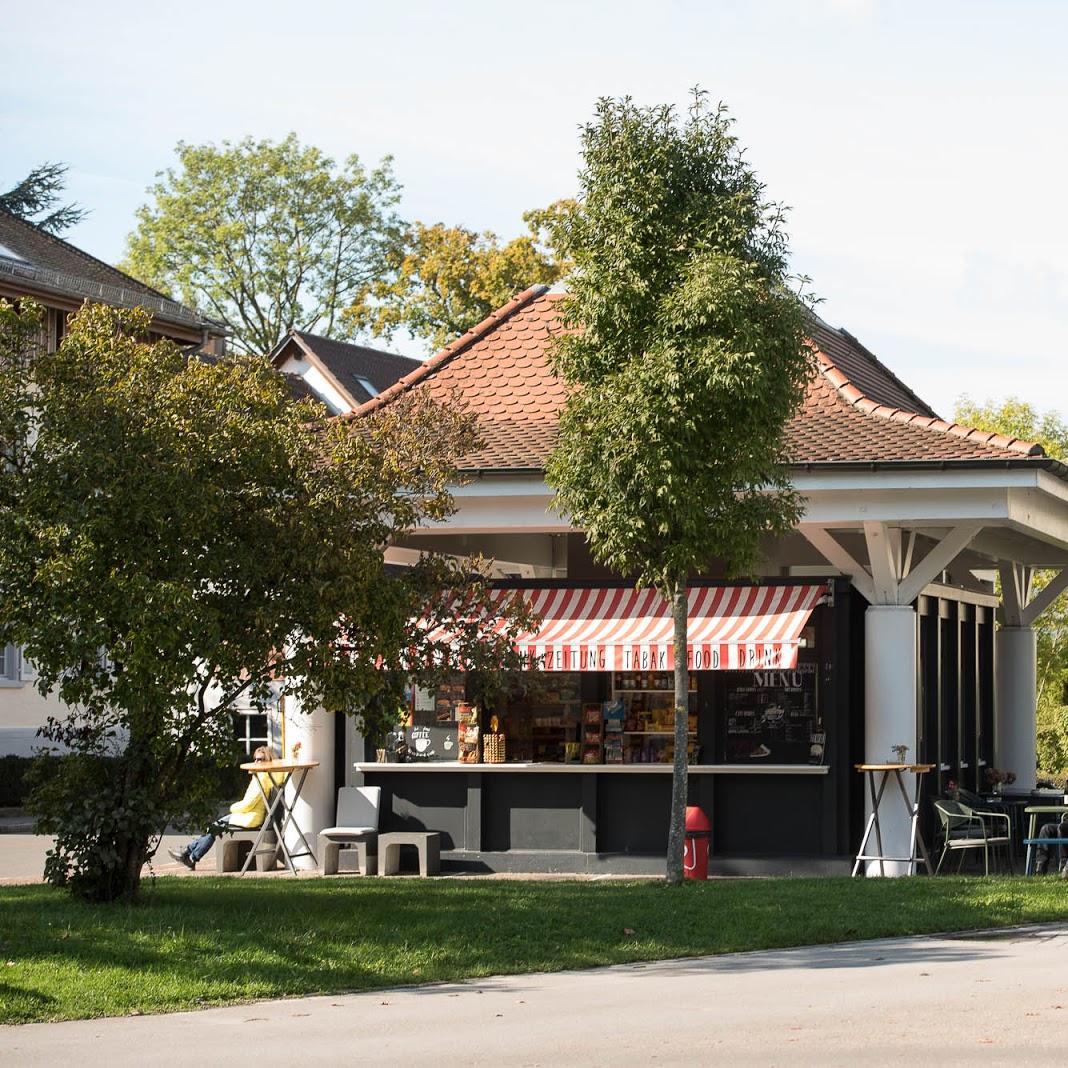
[[23, 711], [317, 383]]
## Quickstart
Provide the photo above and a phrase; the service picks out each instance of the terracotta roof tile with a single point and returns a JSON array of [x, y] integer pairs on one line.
[[861, 367], [500, 372]]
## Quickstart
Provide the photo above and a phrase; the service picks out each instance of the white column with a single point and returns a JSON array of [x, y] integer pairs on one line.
[[314, 729], [890, 719], [1015, 746]]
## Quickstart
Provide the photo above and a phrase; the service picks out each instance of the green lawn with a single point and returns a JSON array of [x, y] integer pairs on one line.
[[196, 942]]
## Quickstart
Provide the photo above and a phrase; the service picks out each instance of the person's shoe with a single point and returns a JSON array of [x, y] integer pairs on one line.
[[182, 858]]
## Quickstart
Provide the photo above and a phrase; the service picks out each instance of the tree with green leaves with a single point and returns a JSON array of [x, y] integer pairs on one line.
[[684, 345], [443, 280], [175, 535], [266, 236], [36, 199], [1018, 419]]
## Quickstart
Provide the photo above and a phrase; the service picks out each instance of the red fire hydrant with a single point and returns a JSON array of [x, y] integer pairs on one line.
[[698, 839]]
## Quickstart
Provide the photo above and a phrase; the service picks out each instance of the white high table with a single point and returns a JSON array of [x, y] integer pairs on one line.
[[884, 772], [280, 807]]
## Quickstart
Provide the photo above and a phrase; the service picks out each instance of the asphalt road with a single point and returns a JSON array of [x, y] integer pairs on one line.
[[990, 999]]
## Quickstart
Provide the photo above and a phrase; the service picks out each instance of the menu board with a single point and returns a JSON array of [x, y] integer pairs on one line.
[[772, 717]]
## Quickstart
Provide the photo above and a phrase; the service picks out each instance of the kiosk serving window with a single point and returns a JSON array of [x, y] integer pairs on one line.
[[603, 688]]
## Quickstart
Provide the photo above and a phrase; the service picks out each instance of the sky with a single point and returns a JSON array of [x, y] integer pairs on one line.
[[921, 146]]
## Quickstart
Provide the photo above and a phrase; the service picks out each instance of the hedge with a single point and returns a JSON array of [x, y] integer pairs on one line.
[[14, 787]]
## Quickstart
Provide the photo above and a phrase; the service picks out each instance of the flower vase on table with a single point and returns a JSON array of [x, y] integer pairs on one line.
[[997, 779]]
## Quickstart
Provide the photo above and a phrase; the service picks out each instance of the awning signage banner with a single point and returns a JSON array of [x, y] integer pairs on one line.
[[731, 628]]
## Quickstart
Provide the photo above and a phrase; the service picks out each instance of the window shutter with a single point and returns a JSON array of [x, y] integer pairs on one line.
[[27, 669]]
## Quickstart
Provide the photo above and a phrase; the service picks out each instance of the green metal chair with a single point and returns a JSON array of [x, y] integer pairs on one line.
[[964, 828]]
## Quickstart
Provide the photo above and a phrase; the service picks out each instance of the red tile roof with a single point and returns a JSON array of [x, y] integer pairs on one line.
[[862, 368], [500, 372]]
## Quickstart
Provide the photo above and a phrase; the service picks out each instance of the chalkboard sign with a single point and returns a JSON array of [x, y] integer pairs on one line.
[[429, 743], [772, 718]]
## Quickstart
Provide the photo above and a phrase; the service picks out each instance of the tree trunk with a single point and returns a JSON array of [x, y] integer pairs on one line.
[[679, 773], [128, 878], [121, 878]]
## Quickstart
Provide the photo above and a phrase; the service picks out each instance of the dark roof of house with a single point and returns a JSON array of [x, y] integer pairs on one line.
[[348, 363], [863, 368], [43, 261], [501, 373]]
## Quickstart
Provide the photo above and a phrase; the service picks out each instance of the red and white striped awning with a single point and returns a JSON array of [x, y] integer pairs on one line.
[[731, 628]]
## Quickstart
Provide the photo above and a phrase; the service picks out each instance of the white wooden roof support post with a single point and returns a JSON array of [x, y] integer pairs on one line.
[[313, 728], [891, 681], [891, 640], [1016, 659], [1016, 710]]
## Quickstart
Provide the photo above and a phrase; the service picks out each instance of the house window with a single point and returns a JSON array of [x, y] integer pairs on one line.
[[9, 665], [250, 727], [59, 328]]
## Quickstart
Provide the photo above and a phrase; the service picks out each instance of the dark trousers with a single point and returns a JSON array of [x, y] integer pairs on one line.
[[1042, 852]]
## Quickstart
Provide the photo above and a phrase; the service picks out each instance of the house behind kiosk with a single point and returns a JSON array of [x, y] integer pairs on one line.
[[61, 277], [872, 625]]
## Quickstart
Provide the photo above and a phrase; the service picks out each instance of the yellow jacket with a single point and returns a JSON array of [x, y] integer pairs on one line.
[[250, 811]]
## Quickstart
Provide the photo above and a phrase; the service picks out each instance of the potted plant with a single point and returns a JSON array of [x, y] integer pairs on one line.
[[996, 779]]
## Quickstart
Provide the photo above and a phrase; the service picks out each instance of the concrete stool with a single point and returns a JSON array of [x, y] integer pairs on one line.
[[330, 847], [428, 843], [231, 850]]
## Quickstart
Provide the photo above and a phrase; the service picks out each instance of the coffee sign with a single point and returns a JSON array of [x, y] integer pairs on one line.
[[427, 743]]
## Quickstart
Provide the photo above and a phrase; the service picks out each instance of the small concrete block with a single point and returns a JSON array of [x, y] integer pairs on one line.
[[366, 863], [427, 843], [231, 851]]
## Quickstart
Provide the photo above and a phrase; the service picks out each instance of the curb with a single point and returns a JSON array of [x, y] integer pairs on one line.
[[16, 820]]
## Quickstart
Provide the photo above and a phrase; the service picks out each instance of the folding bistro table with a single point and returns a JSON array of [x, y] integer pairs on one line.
[[280, 808], [883, 773], [1032, 839]]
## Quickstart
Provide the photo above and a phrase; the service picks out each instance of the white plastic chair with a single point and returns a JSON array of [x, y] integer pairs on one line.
[[357, 825]]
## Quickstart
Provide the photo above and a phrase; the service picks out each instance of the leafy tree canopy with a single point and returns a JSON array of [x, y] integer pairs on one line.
[[686, 343], [266, 236], [443, 280], [1018, 419], [36, 199], [174, 534], [685, 348]]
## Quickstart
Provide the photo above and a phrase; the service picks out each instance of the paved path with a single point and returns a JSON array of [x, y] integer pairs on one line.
[[991, 999], [22, 857]]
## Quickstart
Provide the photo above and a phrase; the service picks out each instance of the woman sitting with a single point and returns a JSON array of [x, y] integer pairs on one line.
[[246, 814]]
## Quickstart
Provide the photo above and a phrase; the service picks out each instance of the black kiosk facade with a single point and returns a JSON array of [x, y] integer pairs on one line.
[[584, 778], [902, 641]]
